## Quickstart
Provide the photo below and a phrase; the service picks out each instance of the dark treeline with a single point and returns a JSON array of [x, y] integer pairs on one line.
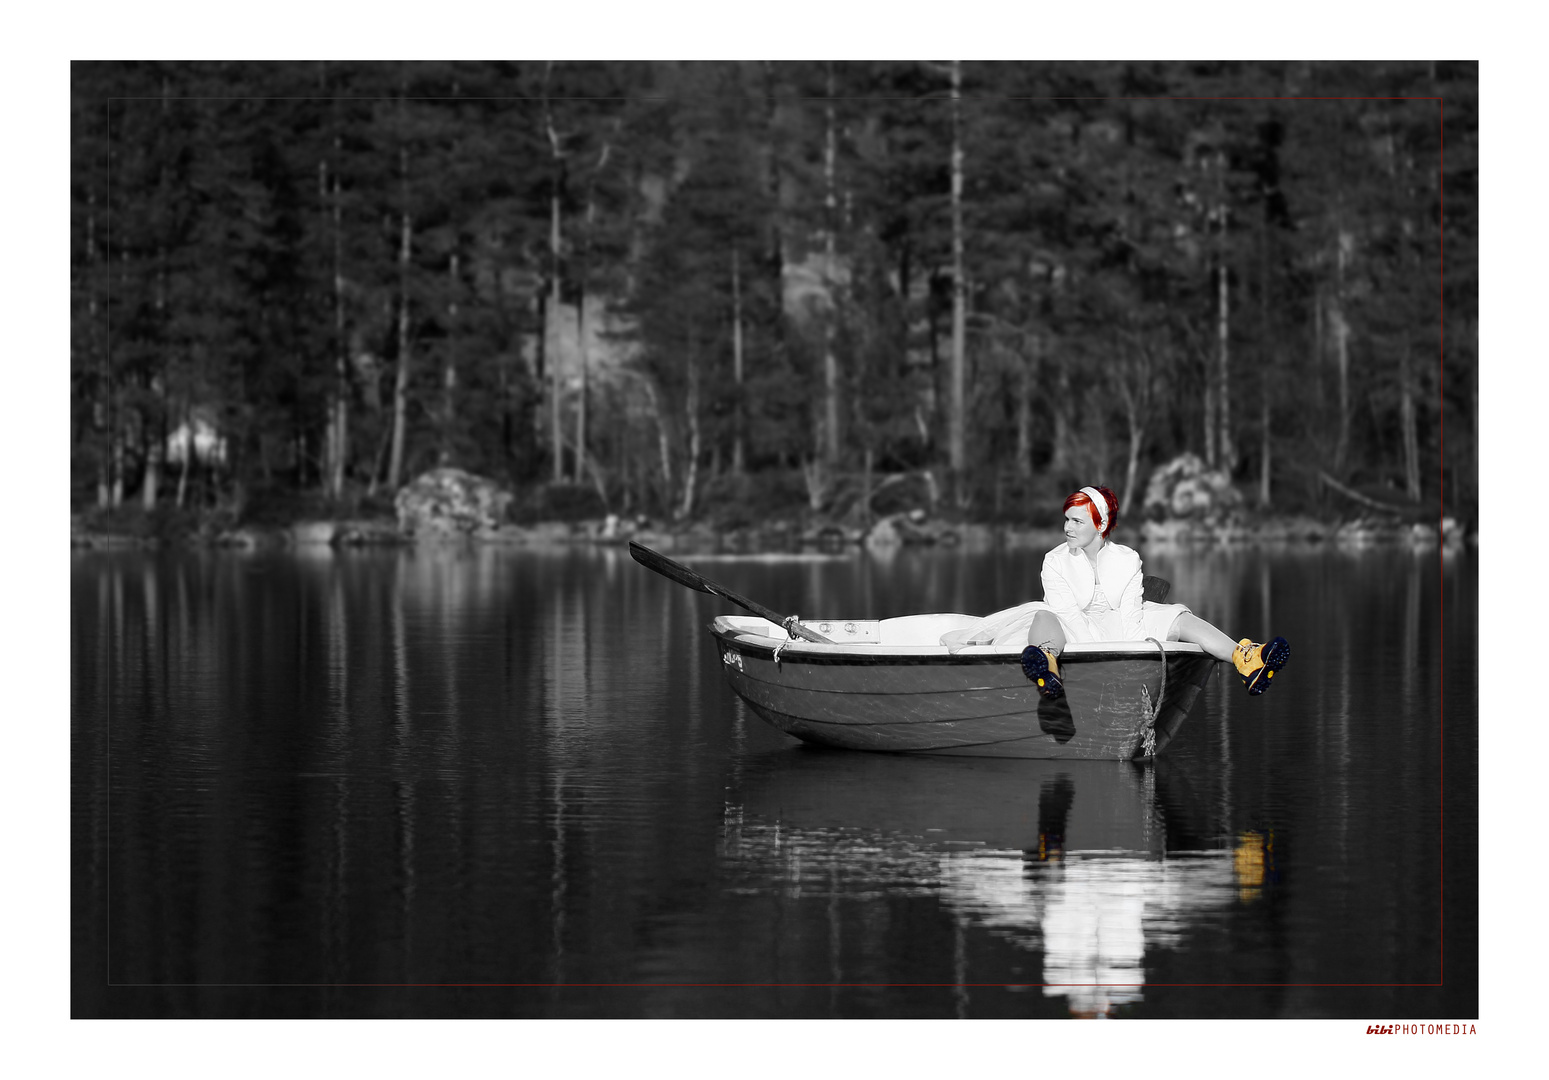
[[669, 286]]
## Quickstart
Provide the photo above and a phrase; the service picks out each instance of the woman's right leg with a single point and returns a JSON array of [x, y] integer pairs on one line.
[[1046, 632], [1045, 640]]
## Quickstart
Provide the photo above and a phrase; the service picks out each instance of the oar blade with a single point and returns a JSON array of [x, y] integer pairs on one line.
[[655, 560], [668, 568]]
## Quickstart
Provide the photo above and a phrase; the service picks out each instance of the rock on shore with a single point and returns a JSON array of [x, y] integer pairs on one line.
[[447, 503]]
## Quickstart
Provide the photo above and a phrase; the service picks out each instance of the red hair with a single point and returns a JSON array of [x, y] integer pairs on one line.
[[1081, 498]]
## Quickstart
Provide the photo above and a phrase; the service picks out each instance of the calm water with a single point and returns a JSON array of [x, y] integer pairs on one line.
[[513, 783]]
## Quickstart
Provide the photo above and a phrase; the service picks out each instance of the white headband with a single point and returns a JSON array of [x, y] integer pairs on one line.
[[1101, 504]]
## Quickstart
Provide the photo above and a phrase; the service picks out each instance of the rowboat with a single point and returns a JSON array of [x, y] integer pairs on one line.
[[890, 685]]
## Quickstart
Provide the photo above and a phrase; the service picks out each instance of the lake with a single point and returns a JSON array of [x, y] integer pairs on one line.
[[497, 782]]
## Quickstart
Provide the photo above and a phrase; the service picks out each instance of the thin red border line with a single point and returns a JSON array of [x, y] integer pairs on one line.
[[800, 97], [1441, 511], [107, 392], [1441, 681]]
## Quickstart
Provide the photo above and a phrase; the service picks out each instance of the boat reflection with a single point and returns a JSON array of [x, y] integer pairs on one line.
[[1075, 862]]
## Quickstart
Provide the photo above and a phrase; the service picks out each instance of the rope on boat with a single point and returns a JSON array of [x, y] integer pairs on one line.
[[790, 624], [1154, 712]]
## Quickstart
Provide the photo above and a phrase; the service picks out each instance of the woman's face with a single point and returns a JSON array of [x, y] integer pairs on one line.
[[1079, 530]]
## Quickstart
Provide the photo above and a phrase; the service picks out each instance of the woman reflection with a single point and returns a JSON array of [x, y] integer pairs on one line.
[[1092, 590]]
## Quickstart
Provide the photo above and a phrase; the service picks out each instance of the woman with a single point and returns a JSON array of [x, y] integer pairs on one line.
[[1092, 592]]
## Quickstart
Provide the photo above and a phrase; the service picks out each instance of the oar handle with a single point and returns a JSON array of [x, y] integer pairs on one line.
[[655, 560]]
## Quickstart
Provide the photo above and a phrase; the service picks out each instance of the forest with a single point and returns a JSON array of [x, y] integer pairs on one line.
[[718, 290]]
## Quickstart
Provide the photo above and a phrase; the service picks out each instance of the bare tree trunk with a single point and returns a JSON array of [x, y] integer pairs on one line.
[[1340, 326], [104, 483], [691, 411], [829, 447], [581, 359], [342, 348], [1025, 411], [1209, 406], [401, 383], [1407, 424], [153, 455], [1228, 452], [583, 406], [336, 450], [1318, 304], [739, 418], [1271, 347], [817, 478], [663, 448], [1053, 370], [1264, 450], [1406, 395], [117, 436], [377, 460], [116, 496], [155, 449], [866, 486], [102, 408], [956, 454], [449, 372], [331, 420], [188, 455], [157, 383], [556, 385], [1134, 414], [101, 414]]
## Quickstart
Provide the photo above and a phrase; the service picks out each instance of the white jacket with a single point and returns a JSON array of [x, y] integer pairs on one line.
[[1069, 583]]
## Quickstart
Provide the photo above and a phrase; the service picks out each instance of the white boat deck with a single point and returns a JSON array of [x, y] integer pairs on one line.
[[907, 635]]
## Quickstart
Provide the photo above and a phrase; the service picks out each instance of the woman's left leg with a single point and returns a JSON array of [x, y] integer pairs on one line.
[[1256, 664], [1192, 628]]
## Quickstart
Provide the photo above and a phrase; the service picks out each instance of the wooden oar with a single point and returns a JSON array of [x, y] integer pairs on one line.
[[655, 560]]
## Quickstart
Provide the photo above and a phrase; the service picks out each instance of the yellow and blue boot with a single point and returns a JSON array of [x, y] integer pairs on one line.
[[1041, 667], [1257, 663]]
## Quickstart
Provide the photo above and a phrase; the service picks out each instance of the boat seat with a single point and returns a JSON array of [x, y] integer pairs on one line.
[[1155, 589]]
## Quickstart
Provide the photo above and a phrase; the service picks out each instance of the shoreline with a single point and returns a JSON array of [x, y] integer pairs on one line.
[[887, 533]]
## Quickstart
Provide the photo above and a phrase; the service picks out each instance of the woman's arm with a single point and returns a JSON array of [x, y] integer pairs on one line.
[[1131, 603], [1059, 595]]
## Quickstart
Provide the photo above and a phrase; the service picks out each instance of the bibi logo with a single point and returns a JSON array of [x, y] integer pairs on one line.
[[1421, 1029], [732, 659]]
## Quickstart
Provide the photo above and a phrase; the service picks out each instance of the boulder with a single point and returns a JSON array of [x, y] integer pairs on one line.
[[365, 533], [1186, 487], [447, 503], [884, 534], [312, 532]]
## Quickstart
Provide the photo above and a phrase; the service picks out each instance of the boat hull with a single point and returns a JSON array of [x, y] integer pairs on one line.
[[972, 703]]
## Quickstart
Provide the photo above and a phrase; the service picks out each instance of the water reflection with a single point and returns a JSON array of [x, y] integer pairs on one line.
[[476, 765], [1069, 861]]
